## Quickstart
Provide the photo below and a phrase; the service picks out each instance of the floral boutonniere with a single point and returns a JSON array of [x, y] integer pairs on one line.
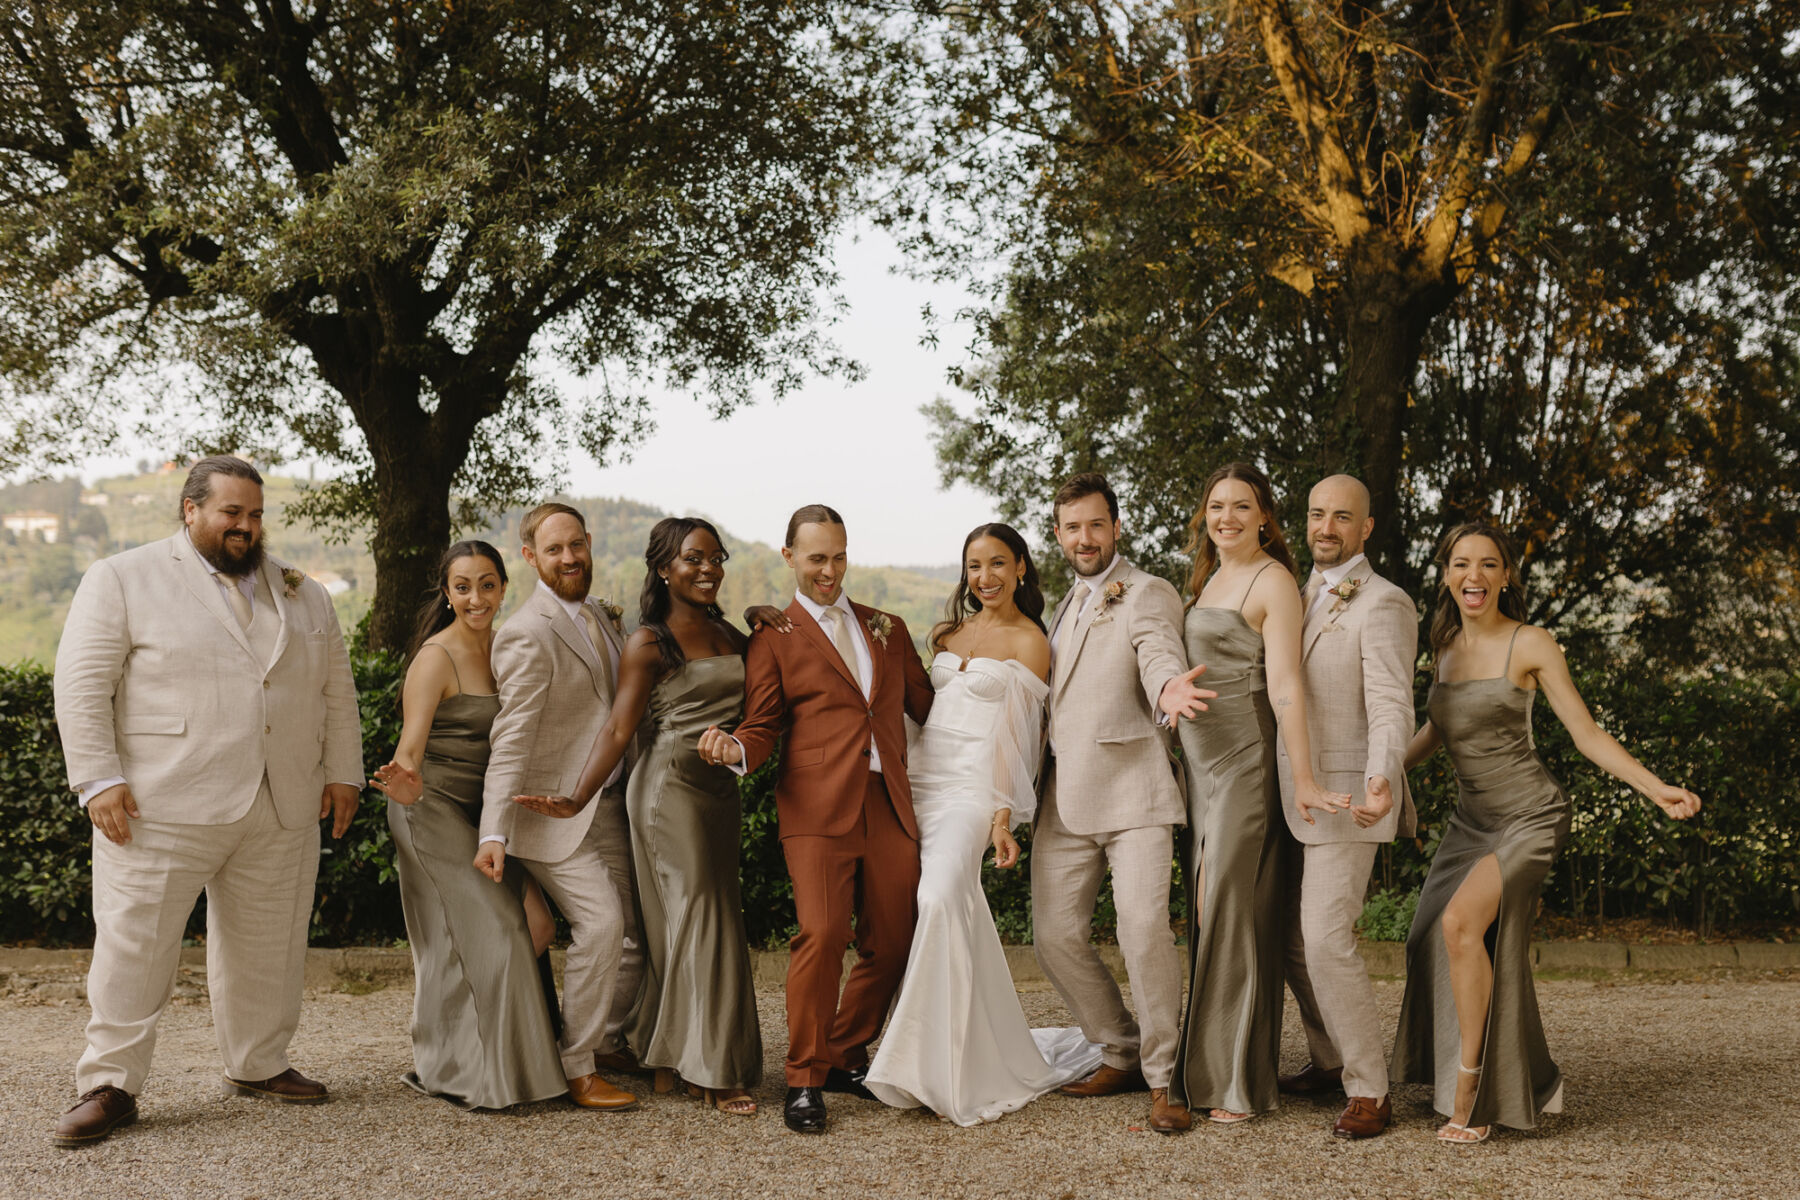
[[880, 625], [1110, 595], [1345, 593], [290, 582], [613, 613]]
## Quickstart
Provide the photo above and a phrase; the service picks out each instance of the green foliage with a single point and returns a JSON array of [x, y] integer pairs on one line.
[[1728, 739], [1387, 916]]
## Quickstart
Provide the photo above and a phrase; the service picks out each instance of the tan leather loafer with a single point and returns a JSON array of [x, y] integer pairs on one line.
[[1363, 1118], [1168, 1116], [289, 1087], [98, 1112], [591, 1091], [1107, 1081]]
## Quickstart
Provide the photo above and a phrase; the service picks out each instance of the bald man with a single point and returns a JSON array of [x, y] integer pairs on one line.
[[1358, 649]]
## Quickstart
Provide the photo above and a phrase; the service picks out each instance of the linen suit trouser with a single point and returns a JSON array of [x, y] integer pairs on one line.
[[1326, 886], [259, 879]]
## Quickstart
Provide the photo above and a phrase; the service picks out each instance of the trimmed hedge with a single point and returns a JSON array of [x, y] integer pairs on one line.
[[1729, 739]]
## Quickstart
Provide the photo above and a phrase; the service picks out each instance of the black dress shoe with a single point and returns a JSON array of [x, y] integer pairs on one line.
[[804, 1110], [849, 1082]]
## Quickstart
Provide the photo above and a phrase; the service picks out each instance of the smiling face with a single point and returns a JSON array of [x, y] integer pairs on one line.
[[1337, 520], [991, 570], [226, 528], [1087, 533], [559, 552], [818, 560], [1475, 573], [473, 589], [1233, 517], [696, 571]]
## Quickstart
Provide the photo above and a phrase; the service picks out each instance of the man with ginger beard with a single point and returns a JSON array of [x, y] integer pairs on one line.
[[208, 721], [1358, 648], [556, 663]]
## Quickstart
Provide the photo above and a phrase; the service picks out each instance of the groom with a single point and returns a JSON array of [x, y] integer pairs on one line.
[[1110, 799], [1358, 648], [835, 693]]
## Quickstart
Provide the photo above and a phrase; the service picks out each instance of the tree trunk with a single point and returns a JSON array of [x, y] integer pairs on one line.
[[1387, 311], [412, 528]]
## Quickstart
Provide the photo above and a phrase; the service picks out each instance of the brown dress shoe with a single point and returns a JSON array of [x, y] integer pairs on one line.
[[1363, 1118], [95, 1115], [1166, 1115], [1107, 1081], [591, 1091], [289, 1087], [1310, 1080]]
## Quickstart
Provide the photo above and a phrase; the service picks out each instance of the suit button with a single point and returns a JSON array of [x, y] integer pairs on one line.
[[265, 685], [865, 754], [266, 729]]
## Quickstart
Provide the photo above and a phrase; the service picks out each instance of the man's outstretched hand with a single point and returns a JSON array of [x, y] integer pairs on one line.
[[1180, 698]]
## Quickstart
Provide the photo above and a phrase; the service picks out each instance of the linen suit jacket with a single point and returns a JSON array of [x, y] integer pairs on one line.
[[797, 687], [156, 682], [1114, 769], [1357, 668], [554, 698]]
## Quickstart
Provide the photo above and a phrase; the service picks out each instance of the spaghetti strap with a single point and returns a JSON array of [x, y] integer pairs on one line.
[[1506, 669], [453, 670], [1246, 596]]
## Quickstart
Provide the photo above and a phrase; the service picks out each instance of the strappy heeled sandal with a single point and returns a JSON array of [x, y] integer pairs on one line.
[[1224, 1116], [1453, 1127], [721, 1100]]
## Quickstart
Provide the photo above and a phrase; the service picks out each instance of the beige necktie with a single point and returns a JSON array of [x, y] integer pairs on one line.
[[240, 603], [1065, 650], [592, 621], [840, 637]]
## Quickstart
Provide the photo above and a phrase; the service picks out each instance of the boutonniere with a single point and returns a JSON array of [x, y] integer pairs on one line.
[[291, 581], [613, 613], [880, 625], [1345, 592], [1110, 595]]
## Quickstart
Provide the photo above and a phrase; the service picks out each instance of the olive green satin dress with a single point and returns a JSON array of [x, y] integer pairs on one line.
[[696, 1010], [481, 1032], [1508, 806], [1231, 1034]]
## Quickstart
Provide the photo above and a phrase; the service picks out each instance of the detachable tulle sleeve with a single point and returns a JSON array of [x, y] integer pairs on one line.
[[1020, 747]]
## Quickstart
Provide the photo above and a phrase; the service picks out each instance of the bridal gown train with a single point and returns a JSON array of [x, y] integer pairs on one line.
[[957, 1042]]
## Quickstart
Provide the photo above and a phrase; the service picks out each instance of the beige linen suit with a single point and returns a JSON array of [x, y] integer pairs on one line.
[[1357, 659], [555, 695], [227, 736], [1111, 798]]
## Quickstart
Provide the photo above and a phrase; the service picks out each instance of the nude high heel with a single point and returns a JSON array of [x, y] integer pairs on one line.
[[1447, 1131]]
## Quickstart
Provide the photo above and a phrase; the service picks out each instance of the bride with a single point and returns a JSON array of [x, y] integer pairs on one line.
[[957, 1042]]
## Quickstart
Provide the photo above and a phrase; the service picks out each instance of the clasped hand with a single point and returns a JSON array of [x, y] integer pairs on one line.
[[1309, 798], [551, 806], [719, 749]]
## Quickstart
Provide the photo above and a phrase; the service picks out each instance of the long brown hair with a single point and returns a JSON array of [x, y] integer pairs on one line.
[[1206, 555], [963, 603], [1446, 617], [434, 609]]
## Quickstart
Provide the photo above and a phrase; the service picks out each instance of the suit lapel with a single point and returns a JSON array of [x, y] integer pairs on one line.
[[200, 581], [1315, 628], [271, 573], [563, 626], [808, 627], [864, 616], [1074, 638]]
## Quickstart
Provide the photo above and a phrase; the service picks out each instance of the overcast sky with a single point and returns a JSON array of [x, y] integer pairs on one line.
[[863, 448]]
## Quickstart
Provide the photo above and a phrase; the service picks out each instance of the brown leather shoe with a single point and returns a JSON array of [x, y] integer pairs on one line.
[[622, 1061], [96, 1114], [1107, 1081], [1310, 1080], [289, 1087], [591, 1091], [1166, 1115], [1363, 1118]]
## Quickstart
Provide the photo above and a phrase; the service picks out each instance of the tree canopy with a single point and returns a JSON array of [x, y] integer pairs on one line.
[[441, 244], [1526, 260]]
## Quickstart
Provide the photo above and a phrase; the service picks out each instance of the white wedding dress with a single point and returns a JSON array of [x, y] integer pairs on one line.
[[957, 1042]]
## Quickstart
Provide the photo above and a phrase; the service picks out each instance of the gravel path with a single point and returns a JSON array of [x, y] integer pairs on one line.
[[1673, 1088]]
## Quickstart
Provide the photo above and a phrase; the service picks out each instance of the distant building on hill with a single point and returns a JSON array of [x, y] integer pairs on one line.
[[97, 499], [45, 524]]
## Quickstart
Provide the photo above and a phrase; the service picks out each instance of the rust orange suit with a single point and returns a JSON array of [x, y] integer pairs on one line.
[[847, 832]]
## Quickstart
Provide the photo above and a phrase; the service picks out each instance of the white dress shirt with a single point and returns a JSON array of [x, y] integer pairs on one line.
[[1332, 577], [865, 663]]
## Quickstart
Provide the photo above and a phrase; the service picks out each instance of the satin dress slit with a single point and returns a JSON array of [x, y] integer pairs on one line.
[[1508, 805]]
